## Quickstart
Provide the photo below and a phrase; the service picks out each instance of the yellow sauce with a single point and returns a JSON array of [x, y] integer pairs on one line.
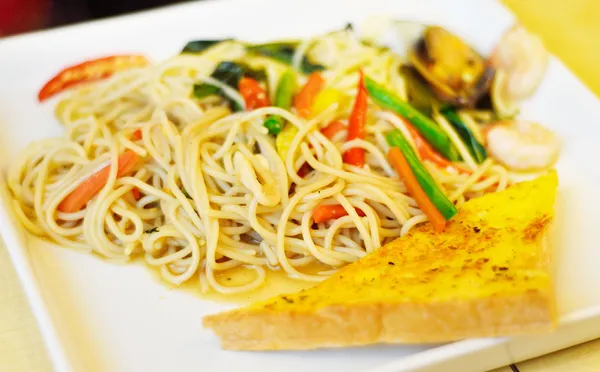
[[276, 283]]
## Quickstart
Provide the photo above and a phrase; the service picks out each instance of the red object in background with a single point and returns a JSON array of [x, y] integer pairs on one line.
[[91, 70], [18, 16]]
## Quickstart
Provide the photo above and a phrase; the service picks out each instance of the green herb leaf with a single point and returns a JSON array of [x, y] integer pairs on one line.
[[419, 94], [226, 72], [258, 75], [475, 148], [152, 230], [284, 53], [199, 46]]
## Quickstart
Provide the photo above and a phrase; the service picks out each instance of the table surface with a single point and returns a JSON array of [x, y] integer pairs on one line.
[[570, 30]]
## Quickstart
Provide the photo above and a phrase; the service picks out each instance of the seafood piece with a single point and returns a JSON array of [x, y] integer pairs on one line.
[[521, 61], [456, 72], [523, 145]]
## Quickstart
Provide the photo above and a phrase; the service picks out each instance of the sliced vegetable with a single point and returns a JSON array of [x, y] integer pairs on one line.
[[427, 127], [284, 140], [437, 197], [304, 170], [428, 153], [95, 69], [254, 95], [327, 212], [92, 185], [258, 75], [137, 194], [283, 99], [419, 94], [356, 125], [405, 172], [199, 46], [303, 101], [285, 90], [325, 99], [226, 72], [284, 52], [137, 135], [333, 128], [274, 124], [475, 148]]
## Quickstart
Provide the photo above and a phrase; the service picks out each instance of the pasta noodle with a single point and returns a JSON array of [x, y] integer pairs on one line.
[[215, 194]]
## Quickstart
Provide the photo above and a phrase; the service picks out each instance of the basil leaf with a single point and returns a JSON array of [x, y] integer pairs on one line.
[[475, 148], [228, 73], [199, 46], [284, 53]]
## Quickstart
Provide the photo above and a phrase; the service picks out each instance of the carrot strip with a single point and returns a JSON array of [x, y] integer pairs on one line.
[[91, 186], [333, 128], [254, 95], [304, 99], [399, 162], [356, 125], [326, 212], [427, 152]]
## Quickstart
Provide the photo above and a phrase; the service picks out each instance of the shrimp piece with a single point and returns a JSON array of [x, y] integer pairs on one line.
[[523, 145], [524, 59]]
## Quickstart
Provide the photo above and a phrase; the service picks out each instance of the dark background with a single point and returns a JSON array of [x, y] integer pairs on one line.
[[68, 11], [18, 16]]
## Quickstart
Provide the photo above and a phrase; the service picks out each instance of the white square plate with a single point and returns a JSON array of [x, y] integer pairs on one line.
[[101, 317]]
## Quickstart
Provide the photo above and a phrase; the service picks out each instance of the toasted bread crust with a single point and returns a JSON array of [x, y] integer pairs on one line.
[[342, 326], [487, 275]]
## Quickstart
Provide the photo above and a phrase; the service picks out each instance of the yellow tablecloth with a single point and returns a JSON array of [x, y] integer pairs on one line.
[[570, 30]]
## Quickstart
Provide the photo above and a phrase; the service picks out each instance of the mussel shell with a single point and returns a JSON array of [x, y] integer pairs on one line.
[[460, 78]]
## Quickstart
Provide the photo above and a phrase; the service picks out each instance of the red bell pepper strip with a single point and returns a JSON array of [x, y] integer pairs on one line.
[[137, 194], [326, 212], [356, 125], [427, 152], [137, 135], [95, 69], [254, 95]]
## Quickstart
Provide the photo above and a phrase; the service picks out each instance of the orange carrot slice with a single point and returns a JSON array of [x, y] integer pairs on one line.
[[79, 197], [304, 99], [405, 172], [333, 128]]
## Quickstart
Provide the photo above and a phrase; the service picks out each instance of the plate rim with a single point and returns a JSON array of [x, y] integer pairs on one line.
[[16, 242]]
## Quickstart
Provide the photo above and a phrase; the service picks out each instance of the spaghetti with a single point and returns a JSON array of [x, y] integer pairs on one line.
[[211, 192]]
